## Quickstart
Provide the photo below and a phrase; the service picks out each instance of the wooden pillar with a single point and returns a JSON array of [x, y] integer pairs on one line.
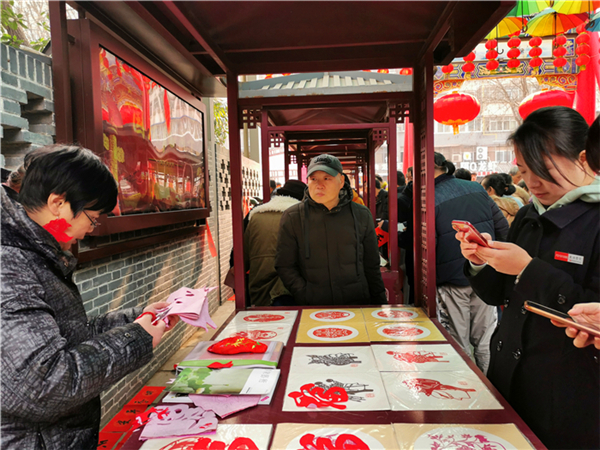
[[393, 188], [266, 163], [235, 162], [424, 187], [286, 160], [371, 179], [61, 72]]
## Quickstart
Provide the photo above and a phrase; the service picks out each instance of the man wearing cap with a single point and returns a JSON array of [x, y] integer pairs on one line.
[[260, 246], [327, 250]]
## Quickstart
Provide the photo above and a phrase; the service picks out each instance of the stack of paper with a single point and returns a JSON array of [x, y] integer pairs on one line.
[[191, 306]]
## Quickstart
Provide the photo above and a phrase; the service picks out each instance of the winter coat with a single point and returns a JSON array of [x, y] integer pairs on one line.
[[330, 257], [508, 206], [522, 194], [260, 248], [55, 361], [381, 205], [553, 386], [461, 200]]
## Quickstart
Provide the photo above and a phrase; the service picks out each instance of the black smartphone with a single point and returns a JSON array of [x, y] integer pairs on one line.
[[561, 317]]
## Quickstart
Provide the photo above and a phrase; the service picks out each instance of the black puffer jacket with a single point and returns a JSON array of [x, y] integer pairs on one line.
[[330, 257], [55, 362], [461, 200]]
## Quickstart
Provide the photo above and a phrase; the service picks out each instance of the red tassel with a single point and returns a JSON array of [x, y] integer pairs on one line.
[[57, 228]]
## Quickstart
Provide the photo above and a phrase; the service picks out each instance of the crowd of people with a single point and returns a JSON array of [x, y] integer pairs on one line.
[[315, 244]]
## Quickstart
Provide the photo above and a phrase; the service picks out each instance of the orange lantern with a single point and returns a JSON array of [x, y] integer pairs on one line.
[[456, 109], [537, 100]]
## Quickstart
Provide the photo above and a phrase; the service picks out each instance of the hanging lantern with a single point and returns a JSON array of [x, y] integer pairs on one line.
[[468, 66], [456, 109], [583, 48], [537, 100], [269, 75], [491, 55], [535, 52], [406, 71], [447, 69], [383, 71], [559, 51], [513, 53]]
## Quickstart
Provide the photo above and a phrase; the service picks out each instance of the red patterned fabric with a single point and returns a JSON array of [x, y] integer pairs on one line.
[[233, 345]]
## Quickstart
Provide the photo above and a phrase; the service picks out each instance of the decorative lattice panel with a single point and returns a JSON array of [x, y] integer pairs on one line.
[[250, 117], [379, 134], [399, 111], [277, 138]]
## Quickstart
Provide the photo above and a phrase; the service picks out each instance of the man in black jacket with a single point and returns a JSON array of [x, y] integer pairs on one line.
[[327, 250]]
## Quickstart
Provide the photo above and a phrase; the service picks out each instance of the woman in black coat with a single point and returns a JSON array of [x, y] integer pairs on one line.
[[552, 257]]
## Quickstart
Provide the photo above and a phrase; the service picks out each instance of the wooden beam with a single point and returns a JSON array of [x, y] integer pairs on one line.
[[439, 31], [202, 37]]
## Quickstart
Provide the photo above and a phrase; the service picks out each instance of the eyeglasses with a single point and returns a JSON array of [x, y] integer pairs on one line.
[[94, 222]]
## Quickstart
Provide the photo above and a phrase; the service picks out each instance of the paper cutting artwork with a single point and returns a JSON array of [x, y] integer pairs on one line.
[[418, 357], [337, 392], [430, 391], [332, 315], [463, 437], [403, 331], [191, 305], [176, 420], [297, 436], [394, 314], [257, 331], [333, 360], [287, 317], [331, 333], [227, 437]]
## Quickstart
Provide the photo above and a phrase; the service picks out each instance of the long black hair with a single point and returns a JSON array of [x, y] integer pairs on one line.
[[499, 183], [73, 171], [547, 132]]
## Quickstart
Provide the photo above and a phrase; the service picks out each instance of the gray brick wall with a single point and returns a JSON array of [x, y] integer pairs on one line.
[[26, 103]]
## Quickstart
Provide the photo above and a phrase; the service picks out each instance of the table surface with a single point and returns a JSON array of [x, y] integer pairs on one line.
[[273, 414]]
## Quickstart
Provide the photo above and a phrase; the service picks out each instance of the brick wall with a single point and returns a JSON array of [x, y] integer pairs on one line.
[[26, 103], [137, 277]]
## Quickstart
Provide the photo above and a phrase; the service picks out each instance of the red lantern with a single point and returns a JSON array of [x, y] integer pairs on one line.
[[559, 51], [456, 109], [513, 53], [513, 63], [383, 71], [447, 69], [535, 52], [537, 100], [583, 61], [269, 75], [491, 55], [469, 67], [559, 62], [407, 71], [583, 48], [583, 38]]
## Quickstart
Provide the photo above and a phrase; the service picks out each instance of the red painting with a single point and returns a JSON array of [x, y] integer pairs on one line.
[[264, 318], [331, 315], [395, 314], [206, 443], [402, 332], [332, 332]]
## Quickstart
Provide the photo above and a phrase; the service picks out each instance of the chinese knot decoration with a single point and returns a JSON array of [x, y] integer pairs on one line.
[[559, 51], [456, 109], [535, 51], [513, 53], [492, 55], [583, 48], [468, 66]]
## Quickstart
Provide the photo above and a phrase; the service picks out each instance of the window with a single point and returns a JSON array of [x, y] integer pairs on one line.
[[505, 156], [501, 124]]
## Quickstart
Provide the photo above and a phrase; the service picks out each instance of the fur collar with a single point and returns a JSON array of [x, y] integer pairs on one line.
[[279, 203]]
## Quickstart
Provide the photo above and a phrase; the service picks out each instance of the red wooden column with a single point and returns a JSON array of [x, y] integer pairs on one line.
[[423, 187], [286, 160], [235, 161], [63, 115], [265, 144], [392, 139], [371, 177]]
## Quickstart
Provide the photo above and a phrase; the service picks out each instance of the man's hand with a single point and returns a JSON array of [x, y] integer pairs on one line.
[[156, 331]]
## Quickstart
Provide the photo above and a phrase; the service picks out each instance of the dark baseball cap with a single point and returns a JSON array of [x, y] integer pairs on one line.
[[325, 163]]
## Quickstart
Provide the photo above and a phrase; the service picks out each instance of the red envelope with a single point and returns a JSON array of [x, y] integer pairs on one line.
[[234, 345]]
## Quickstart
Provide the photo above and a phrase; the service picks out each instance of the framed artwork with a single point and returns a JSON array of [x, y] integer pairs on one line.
[[330, 360], [418, 358]]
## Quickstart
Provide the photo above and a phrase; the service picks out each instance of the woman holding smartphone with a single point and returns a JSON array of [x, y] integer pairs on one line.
[[552, 257]]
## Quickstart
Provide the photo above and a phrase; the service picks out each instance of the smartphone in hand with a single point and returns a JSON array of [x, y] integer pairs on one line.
[[561, 317], [471, 233]]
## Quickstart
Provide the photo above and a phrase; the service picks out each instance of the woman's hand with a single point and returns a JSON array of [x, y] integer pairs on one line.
[[156, 331], [588, 313], [505, 257], [469, 249], [155, 309]]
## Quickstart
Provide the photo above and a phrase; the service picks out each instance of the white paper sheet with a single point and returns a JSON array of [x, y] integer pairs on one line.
[[434, 391], [333, 360], [418, 358]]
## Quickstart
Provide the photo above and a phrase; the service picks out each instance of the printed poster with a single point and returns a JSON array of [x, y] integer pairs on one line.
[[436, 391], [264, 317], [394, 314], [294, 436], [333, 315], [331, 333], [403, 331], [227, 437], [418, 358], [308, 392], [257, 331], [465, 437], [330, 360]]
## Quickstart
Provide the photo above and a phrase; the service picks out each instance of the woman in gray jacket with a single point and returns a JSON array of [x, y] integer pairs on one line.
[[55, 360]]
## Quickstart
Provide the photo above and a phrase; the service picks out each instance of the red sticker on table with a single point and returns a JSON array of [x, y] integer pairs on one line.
[[402, 332], [332, 332], [264, 318], [331, 315], [256, 334]]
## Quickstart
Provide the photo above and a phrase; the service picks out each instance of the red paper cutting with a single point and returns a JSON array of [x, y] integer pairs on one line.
[[218, 365], [312, 396], [383, 237], [205, 443], [234, 345], [342, 442]]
